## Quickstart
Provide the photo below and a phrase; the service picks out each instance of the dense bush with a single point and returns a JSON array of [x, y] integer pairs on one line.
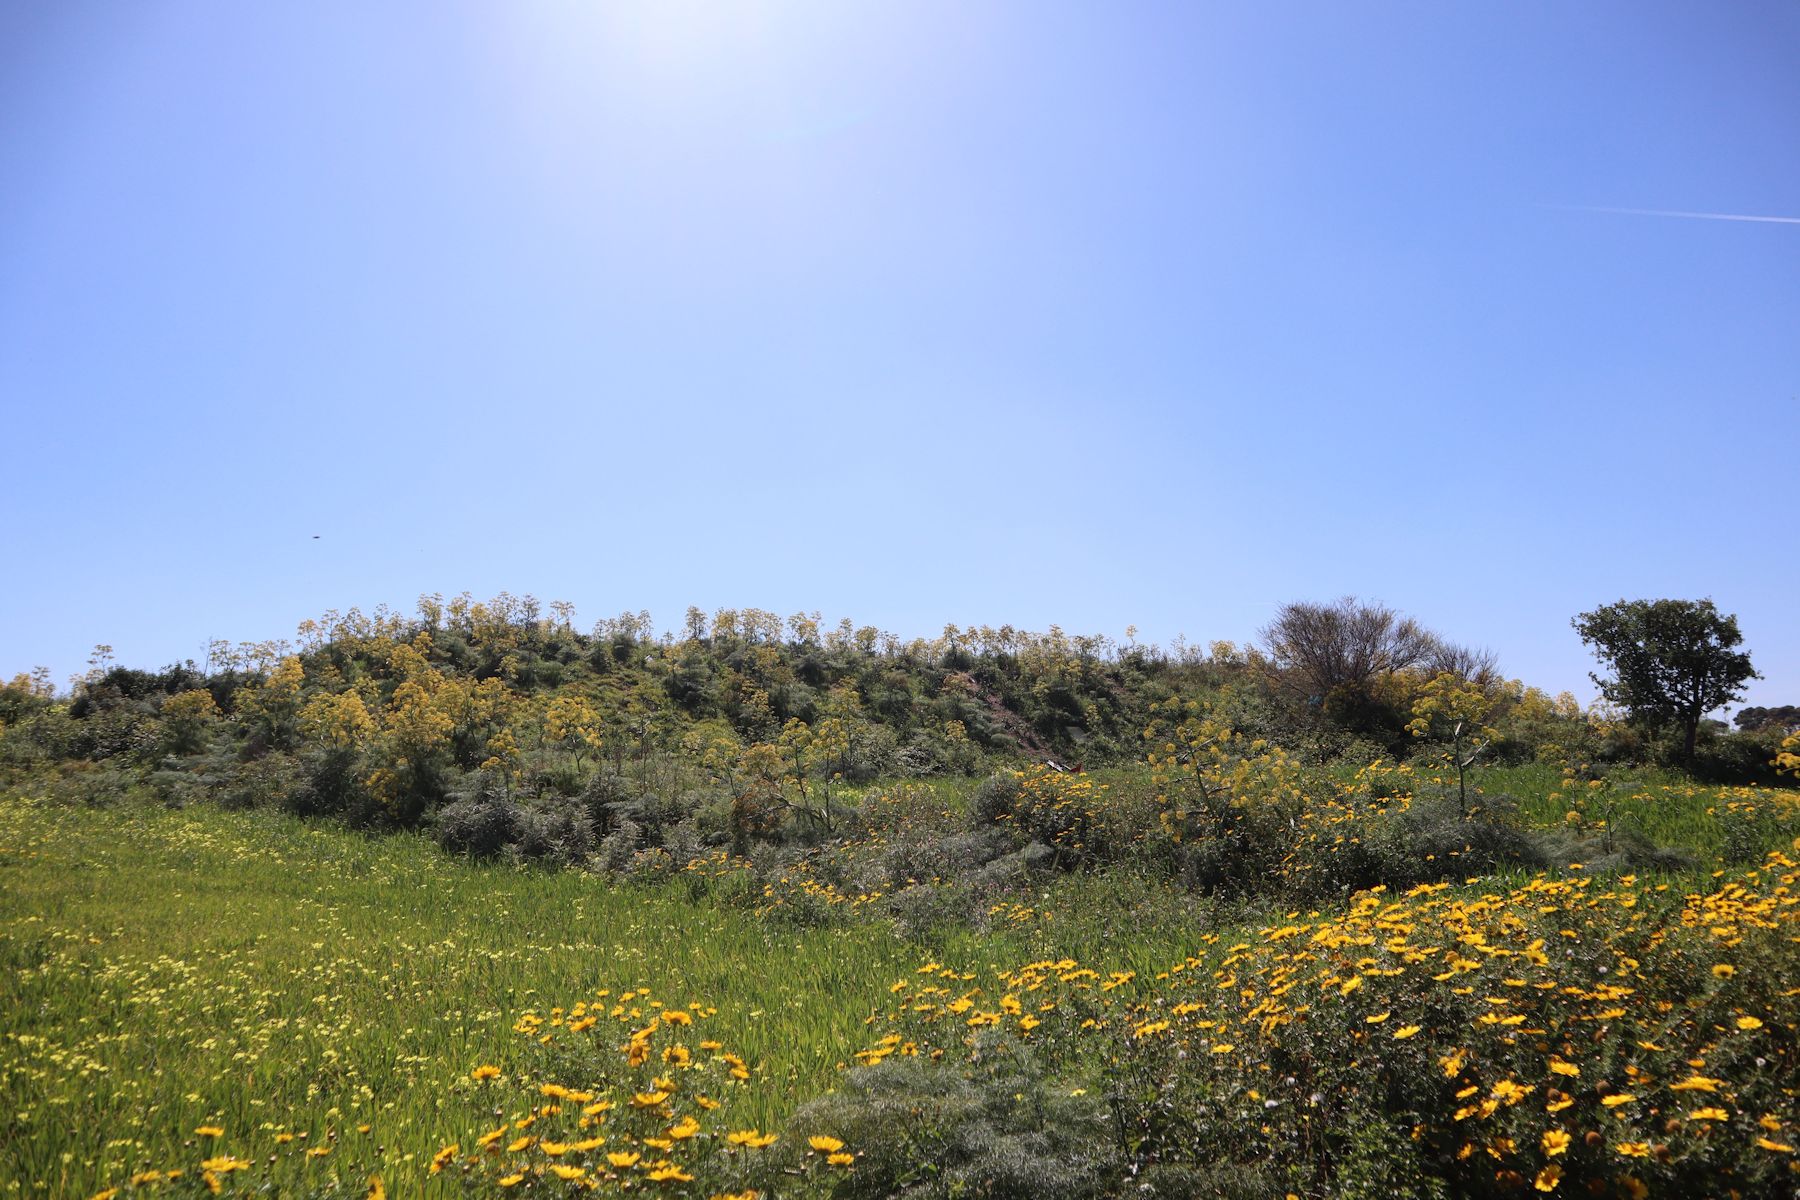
[[481, 822], [1585, 1034], [554, 831], [752, 751], [996, 1128], [618, 849], [330, 784], [1734, 758]]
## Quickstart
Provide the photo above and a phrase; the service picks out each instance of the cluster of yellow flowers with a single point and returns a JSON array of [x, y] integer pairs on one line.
[[1570, 1027], [1203, 769], [799, 884], [1747, 801], [213, 1172], [1062, 809], [649, 1130], [1013, 913], [1788, 759]]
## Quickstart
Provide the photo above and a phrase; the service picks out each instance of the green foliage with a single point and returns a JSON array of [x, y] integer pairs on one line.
[[1670, 662], [481, 821], [1737, 758], [1780, 718], [391, 715], [996, 1128], [331, 784]]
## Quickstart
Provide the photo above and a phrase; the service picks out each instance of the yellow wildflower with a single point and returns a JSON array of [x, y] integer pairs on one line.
[[751, 1138], [1695, 1083]]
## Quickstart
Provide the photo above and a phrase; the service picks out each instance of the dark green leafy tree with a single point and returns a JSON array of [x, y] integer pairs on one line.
[[1782, 718], [1671, 661]]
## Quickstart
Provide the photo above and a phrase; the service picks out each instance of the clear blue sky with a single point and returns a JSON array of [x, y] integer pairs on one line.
[[1089, 314]]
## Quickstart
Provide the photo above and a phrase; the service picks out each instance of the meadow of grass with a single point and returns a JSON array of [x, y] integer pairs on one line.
[[167, 971], [266, 1005], [304, 988], [1667, 808]]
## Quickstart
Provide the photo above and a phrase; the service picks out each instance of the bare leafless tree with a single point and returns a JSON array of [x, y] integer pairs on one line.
[[1479, 667], [1323, 648]]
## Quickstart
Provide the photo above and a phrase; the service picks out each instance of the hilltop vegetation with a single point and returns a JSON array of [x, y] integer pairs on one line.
[[753, 721], [995, 914]]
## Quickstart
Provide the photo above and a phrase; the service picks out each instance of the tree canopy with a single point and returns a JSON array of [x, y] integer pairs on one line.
[[1782, 717], [1671, 661]]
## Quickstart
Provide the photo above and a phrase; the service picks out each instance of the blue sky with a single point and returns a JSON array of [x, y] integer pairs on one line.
[[1088, 314]]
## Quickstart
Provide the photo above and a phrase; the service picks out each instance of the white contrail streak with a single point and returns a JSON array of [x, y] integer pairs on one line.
[[1665, 212]]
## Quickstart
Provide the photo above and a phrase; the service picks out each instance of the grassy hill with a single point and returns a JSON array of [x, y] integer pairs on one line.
[[471, 902]]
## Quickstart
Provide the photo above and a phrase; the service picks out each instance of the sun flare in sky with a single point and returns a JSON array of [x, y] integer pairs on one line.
[[1153, 315]]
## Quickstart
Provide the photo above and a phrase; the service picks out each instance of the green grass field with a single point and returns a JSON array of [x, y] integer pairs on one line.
[[319, 997], [167, 971], [163, 971]]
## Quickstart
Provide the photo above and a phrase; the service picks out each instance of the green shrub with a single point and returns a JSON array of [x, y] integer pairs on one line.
[[604, 794], [265, 782], [1430, 839], [995, 798], [618, 850], [481, 822], [330, 785], [1738, 758], [553, 830], [996, 1129]]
